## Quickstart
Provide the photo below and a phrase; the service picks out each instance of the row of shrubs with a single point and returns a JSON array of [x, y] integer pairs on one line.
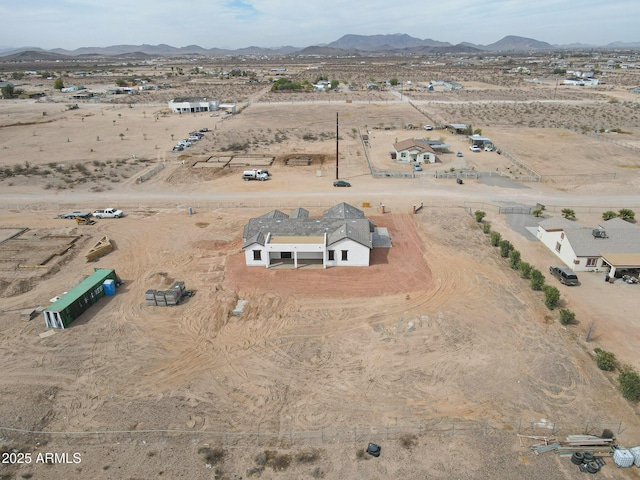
[[628, 379]]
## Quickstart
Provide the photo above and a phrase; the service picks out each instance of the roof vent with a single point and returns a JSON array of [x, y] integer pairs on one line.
[[599, 233]]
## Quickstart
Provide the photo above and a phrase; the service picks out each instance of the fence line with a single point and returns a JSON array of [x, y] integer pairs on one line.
[[355, 435], [605, 138]]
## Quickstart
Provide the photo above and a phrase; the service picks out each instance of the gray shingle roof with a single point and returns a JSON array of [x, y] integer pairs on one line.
[[343, 210], [622, 236], [275, 214], [348, 222], [299, 213]]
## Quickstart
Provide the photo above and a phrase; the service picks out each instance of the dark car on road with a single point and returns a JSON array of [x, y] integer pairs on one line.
[[565, 275], [341, 183]]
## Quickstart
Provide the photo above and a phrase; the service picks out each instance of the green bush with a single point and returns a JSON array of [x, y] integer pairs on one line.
[[537, 279], [551, 296], [567, 317], [568, 213], [525, 269], [486, 227], [514, 259], [629, 381], [479, 215], [605, 360], [627, 214], [505, 248], [495, 238], [537, 212], [609, 214]]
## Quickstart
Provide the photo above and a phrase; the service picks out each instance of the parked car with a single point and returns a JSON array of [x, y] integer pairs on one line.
[[417, 167], [178, 148], [565, 275], [205, 129], [213, 115], [74, 214], [428, 127], [341, 183], [474, 148], [108, 213], [184, 143], [459, 154]]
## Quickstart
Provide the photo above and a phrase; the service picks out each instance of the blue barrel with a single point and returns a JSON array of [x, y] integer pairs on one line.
[[109, 287]]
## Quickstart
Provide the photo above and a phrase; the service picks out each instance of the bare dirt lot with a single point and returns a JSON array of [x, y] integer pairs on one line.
[[437, 330]]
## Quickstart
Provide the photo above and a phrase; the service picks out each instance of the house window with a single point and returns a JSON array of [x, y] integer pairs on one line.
[[592, 262], [332, 255], [562, 236], [403, 155], [257, 255], [285, 255], [345, 255], [558, 247]]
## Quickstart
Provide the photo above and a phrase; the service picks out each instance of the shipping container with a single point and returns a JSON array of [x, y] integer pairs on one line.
[[72, 304]]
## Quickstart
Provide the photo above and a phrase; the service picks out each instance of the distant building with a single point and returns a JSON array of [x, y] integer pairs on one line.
[[414, 150], [193, 105]]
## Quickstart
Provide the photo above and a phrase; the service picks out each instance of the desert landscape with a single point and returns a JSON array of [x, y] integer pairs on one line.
[[438, 351]]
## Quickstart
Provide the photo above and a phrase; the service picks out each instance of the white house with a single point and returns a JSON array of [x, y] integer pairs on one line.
[[341, 237], [193, 105], [414, 150], [615, 245]]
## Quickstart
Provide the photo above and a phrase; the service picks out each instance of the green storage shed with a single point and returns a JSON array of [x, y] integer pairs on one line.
[[69, 307]]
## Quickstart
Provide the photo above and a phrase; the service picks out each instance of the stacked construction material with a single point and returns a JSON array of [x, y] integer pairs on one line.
[[163, 298], [635, 451]]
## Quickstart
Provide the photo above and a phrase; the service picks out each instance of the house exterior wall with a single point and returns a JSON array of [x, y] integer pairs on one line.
[[554, 238], [248, 255], [358, 255], [188, 107]]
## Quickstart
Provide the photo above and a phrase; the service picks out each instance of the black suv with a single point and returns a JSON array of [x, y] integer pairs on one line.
[[565, 275]]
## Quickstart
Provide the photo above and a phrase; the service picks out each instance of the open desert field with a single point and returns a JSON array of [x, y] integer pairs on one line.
[[438, 351]]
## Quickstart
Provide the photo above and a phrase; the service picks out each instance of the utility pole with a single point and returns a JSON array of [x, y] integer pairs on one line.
[[337, 175]]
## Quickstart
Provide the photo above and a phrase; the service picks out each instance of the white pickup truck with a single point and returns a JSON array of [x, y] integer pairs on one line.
[[108, 213]]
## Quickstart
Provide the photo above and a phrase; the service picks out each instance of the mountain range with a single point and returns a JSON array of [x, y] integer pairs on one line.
[[346, 45]]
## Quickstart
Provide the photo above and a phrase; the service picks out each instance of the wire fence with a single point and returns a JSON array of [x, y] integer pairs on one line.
[[284, 438]]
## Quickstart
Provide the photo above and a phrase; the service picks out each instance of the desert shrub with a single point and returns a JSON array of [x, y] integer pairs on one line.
[[505, 248], [568, 213], [486, 227], [605, 360], [524, 269], [261, 458], [495, 238], [257, 471], [317, 473], [280, 462], [213, 456], [307, 456], [551, 296], [609, 214], [408, 441], [537, 212], [629, 381], [537, 279], [479, 215], [514, 259], [567, 317]]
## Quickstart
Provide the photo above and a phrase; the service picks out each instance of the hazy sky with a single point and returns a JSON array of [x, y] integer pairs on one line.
[[272, 23]]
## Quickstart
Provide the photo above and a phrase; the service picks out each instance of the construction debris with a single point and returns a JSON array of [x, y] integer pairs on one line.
[[99, 249], [239, 310]]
